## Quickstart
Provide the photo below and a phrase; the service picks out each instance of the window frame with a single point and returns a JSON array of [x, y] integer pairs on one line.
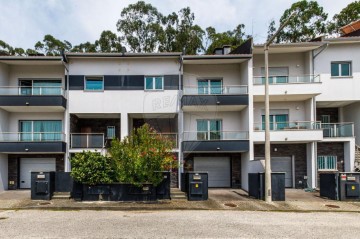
[[208, 132], [94, 78], [340, 69], [107, 135], [154, 83], [326, 158], [208, 88]]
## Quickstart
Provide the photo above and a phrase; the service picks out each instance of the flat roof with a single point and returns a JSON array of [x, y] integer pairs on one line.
[[288, 47], [31, 60]]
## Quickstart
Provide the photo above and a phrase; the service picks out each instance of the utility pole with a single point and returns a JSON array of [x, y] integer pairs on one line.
[[268, 196]]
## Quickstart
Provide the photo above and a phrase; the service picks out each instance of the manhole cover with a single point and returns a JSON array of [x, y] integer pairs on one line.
[[332, 206], [44, 203], [3, 218], [230, 205]]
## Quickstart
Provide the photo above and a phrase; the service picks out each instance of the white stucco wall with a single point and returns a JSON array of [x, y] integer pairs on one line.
[[335, 88], [298, 63], [229, 73], [351, 113], [3, 172], [35, 71]]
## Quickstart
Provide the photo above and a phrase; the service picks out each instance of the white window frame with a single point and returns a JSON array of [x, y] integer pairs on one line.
[[154, 83], [94, 78], [326, 158], [339, 65]]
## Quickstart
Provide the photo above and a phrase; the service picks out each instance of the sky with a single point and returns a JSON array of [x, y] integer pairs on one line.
[[24, 22]]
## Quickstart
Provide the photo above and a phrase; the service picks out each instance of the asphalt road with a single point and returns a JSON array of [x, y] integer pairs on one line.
[[177, 224]]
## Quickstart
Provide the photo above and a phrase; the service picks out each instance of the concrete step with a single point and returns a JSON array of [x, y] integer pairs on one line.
[[61, 195], [177, 194]]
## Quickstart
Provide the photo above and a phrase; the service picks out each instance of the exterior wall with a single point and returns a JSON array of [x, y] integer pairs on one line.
[[298, 63], [351, 114], [14, 166], [230, 73], [34, 71], [230, 120], [330, 85], [4, 75], [294, 113], [15, 117], [3, 172], [299, 152]]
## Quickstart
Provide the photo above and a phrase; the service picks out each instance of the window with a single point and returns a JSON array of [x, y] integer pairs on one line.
[[277, 75], [94, 83], [40, 87], [110, 132], [212, 87], [340, 69], [209, 129], [277, 121], [40, 130], [154, 83], [327, 162]]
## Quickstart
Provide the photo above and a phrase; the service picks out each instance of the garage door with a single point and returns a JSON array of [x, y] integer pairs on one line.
[[28, 165], [218, 169], [283, 164]]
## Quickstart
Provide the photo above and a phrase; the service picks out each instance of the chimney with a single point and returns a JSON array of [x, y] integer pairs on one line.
[[227, 49], [218, 51]]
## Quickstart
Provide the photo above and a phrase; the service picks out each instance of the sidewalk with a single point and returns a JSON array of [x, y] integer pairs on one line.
[[219, 199]]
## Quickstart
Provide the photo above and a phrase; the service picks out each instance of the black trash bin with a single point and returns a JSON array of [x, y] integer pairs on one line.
[[344, 186], [197, 186], [163, 189], [42, 185], [257, 186]]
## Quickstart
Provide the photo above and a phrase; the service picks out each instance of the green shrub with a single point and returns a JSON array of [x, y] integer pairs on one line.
[[140, 155], [92, 168]]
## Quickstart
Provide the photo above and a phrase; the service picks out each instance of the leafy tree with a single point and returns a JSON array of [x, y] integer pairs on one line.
[[92, 168], [308, 23], [108, 42], [84, 47], [52, 46], [140, 27], [347, 15], [233, 38], [5, 49], [19, 51], [140, 155]]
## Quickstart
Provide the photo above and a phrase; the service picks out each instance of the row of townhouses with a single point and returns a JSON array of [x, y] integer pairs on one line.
[[212, 106]]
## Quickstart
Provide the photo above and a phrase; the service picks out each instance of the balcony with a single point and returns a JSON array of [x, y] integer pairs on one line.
[[337, 130], [216, 141], [87, 141], [44, 142], [32, 99], [289, 88], [281, 132], [226, 98]]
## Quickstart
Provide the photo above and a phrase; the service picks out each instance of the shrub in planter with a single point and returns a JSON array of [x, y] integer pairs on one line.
[[141, 155], [92, 168]]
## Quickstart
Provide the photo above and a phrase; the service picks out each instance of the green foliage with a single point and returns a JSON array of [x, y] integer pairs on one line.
[[84, 47], [51, 46], [92, 168], [347, 15], [308, 22], [140, 26], [140, 155], [233, 38], [108, 42]]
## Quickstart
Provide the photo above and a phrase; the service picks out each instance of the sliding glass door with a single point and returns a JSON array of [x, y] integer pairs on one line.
[[209, 129], [277, 122], [40, 87], [40, 130], [212, 87]]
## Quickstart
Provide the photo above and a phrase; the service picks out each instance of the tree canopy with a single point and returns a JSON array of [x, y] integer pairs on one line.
[[347, 15]]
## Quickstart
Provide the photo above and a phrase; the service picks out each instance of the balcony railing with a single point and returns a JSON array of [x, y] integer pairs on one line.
[[215, 135], [28, 90], [32, 137], [297, 125], [172, 137], [221, 90], [87, 141], [260, 80], [332, 130]]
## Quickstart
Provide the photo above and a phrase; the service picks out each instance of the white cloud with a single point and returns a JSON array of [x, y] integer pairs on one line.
[[22, 23]]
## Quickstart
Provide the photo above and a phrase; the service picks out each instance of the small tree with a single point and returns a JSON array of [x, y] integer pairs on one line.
[[92, 168], [139, 156]]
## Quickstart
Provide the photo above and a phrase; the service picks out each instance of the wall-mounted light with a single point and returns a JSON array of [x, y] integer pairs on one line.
[[297, 107], [26, 150], [27, 103], [275, 149], [218, 148]]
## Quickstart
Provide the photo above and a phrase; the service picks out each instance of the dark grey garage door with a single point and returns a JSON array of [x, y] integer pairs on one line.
[[218, 169], [283, 164]]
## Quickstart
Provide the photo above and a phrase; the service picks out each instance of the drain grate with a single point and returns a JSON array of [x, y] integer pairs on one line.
[[332, 206], [230, 205], [3, 218]]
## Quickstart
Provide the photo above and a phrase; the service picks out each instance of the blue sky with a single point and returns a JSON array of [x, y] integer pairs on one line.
[[23, 22]]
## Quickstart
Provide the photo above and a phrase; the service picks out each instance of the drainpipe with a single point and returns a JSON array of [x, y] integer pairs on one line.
[[180, 121], [66, 114]]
